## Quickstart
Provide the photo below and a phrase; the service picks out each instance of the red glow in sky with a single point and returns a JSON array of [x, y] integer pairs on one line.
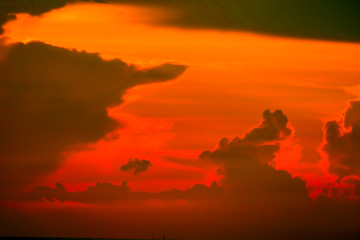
[[130, 109]]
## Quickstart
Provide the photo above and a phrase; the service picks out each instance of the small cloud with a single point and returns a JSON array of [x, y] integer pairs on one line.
[[136, 166]]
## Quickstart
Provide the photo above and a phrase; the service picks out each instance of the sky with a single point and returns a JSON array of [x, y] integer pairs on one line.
[[185, 119]]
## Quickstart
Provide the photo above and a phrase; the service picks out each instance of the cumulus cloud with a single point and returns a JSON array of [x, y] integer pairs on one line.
[[136, 166], [247, 163], [342, 142], [53, 99], [273, 127]]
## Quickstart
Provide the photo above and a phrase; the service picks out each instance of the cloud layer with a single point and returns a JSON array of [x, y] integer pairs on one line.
[[321, 19], [331, 19]]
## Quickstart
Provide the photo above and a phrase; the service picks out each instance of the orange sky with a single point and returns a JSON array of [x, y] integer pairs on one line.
[[142, 120], [232, 78]]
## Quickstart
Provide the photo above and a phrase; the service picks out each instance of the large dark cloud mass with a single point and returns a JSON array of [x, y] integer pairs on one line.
[[342, 142], [319, 19], [53, 98], [323, 19]]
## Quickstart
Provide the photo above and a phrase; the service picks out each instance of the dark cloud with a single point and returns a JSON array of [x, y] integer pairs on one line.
[[8, 8], [53, 99], [100, 193], [342, 142], [320, 19], [39, 193], [212, 210], [335, 218], [273, 127], [346, 188], [108, 192], [247, 163], [136, 166]]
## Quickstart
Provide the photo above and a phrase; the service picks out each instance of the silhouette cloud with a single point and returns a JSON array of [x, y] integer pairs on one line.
[[273, 127], [320, 19], [53, 99], [342, 142], [136, 166], [247, 163]]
